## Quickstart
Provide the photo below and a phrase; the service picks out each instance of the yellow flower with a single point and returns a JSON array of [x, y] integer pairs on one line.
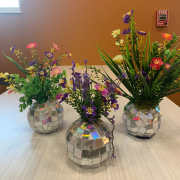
[[117, 43], [30, 68], [121, 41], [4, 75], [11, 87], [118, 58], [116, 33]]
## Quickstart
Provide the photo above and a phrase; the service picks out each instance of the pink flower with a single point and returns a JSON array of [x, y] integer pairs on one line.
[[157, 62], [31, 45], [55, 71], [101, 89], [55, 46], [167, 66], [59, 96], [10, 91]]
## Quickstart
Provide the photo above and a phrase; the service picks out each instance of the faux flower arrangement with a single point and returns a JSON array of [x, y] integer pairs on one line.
[[91, 102], [151, 71], [42, 79]]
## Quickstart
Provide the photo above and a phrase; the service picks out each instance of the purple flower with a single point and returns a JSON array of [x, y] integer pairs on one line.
[[42, 72], [113, 156], [123, 75], [62, 83], [54, 62], [89, 111], [32, 63], [49, 54], [143, 73], [126, 31], [141, 33], [114, 104], [112, 119], [73, 65], [69, 54], [85, 61], [127, 16], [63, 97], [85, 75], [12, 49]]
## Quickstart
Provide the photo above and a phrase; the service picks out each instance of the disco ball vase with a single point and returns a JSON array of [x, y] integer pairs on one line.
[[46, 117], [140, 122], [87, 145]]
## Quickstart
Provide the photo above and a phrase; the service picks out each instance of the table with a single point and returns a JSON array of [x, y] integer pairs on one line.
[[26, 155]]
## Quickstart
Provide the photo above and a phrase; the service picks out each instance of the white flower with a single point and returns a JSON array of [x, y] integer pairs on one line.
[[118, 58], [116, 33], [121, 41]]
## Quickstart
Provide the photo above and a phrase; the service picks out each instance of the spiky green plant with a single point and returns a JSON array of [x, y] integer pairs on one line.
[[152, 69]]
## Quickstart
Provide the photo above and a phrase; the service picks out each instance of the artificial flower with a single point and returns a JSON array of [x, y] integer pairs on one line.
[[54, 62], [101, 89], [59, 96], [167, 36], [141, 33], [4, 75], [49, 54], [32, 63], [162, 47], [117, 43], [73, 65], [89, 111], [143, 73], [10, 91], [55, 46], [167, 66], [42, 73], [69, 54], [12, 49], [116, 33], [55, 71], [63, 97], [127, 16], [32, 45], [126, 31], [124, 75], [114, 104], [30, 68], [85, 61], [157, 62], [62, 82], [118, 90], [118, 59]]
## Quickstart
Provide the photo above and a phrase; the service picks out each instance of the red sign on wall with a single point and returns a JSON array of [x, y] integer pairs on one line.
[[162, 18]]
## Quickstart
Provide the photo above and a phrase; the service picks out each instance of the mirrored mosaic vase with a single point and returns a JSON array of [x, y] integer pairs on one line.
[[87, 145], [46, 117], [141, 123]]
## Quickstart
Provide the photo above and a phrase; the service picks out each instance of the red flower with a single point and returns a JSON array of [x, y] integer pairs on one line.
[[167, 36], [157, 62], [10, 91]]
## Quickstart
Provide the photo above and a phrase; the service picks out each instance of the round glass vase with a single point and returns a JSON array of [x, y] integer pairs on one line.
[[141, 123], [46, 117], [87, 145]]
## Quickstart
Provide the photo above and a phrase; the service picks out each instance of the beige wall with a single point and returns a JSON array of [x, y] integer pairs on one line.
[[76, 26]]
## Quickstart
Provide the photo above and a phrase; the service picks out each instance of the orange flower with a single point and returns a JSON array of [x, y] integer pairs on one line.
[[31, 45], [167, 36]]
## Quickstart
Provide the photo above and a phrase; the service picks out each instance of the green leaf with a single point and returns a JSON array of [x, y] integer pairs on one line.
[[36, 79], [17, 65], [30, 78], [22, 99], [29, 101]]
